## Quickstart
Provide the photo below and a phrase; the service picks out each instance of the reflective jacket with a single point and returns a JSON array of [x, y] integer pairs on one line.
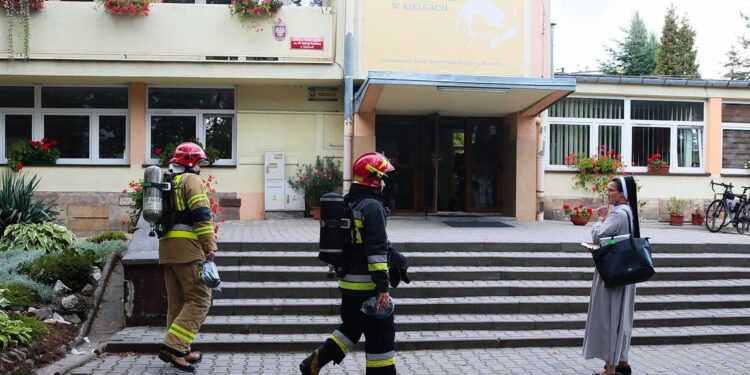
[[369, 249], [193, 234]]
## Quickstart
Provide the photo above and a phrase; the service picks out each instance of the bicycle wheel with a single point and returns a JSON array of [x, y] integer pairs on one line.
[[716, 216], [743, 219]]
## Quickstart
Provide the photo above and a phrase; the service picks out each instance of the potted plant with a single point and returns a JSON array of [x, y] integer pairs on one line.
[[127, 8], [697, 216], [17, 13], [579, 215], [676, 209], [254, 9], [33, 153], [317, 179], [656, 165], [594, 172]]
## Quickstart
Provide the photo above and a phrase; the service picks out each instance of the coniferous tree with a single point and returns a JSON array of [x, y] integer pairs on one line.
[[667, 59], [736, 67], [636, 55], [688, 52]]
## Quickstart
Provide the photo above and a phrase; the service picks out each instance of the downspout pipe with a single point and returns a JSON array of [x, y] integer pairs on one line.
[[348, 95]]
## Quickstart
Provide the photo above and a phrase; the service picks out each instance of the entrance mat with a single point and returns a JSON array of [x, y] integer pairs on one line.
[[476, 224]]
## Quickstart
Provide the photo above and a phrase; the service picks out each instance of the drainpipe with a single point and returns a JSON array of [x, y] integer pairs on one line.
[[540, 131], [348, 94]]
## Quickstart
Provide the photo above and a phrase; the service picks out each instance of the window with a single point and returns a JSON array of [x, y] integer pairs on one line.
[[633, 128], [735, 138], [181, 114], [72, 116]]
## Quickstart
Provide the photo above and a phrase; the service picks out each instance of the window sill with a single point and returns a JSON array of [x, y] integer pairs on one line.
[[202, 168], [697, 174], [735, 175]]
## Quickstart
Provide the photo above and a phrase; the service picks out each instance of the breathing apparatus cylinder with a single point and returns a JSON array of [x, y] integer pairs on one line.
[[152, 196], [334, 227]]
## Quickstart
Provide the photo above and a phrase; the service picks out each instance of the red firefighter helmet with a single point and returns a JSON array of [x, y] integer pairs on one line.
[[370, 168], [189, 154]]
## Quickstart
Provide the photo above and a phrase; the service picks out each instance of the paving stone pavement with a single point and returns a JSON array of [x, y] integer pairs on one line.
[[704, 359]]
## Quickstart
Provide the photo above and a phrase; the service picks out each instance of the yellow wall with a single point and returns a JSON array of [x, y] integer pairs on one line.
[[445, 36]]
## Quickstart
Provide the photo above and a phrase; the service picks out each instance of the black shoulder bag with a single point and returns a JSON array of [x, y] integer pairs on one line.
[[624, 262]]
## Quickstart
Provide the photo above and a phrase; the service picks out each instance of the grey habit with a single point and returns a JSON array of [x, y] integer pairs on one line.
[[609, 323]]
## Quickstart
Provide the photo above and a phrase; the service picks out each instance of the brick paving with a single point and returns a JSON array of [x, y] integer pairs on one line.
[[704, 359]]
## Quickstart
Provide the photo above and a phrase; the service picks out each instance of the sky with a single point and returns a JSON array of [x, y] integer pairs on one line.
[[585, 28]]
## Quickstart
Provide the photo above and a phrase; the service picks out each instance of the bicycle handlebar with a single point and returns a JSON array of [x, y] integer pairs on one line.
[[725, 186]]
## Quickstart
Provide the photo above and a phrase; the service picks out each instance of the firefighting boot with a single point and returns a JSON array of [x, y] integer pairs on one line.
[[176, 358], [193, 357], [311, 365]]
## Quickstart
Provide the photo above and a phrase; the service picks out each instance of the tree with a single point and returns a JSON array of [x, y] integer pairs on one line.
[[636, 55], [677, 53], [736, 66]]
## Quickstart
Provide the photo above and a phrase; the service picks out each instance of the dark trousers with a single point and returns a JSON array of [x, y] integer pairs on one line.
[[380, 335]]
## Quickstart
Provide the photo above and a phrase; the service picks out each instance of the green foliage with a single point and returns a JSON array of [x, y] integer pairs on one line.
[[675, 206], [45, 236], [37, 327], [736, 66], [10, 262], [18, 294], [677, 53], [108, 236], [636, 55], [17, 203], [18, 14], [70, 266], [135, 192], [317, 179], [594, 172], [33, 152], [11, 329], [3, 302], [102, 250]]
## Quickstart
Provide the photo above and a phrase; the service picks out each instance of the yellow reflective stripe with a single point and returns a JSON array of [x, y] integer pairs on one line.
[[178, 193], [357, 234], [381, 363], [342, 346], [373, 170], [180, 336], [356, 286], [196, 198], [183, 330], [377, 267], [180, 234], [204, 230]]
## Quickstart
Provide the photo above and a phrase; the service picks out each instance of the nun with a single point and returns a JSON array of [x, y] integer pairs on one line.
[[609, 322]]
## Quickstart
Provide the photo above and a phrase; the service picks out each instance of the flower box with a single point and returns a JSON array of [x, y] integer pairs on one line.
[[16, 4], [661, 170]]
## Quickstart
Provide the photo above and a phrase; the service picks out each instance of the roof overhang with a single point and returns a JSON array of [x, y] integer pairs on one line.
[[395, 93]]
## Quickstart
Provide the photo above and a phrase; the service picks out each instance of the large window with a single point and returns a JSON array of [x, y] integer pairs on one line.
[[633, 128], [90, 124], [181, 114], [735, 138]]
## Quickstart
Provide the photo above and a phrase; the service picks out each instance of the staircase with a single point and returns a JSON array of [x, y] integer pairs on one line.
[[276, 297]]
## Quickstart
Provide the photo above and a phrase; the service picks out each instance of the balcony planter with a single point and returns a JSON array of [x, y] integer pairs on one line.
[[127, 8], [17, 13], [660, 171], [579, 220], [254, 10]]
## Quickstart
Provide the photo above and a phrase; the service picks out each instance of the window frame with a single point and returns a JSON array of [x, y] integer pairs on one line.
[[200, 115], [626, 125], [743, 126], [37, 125]]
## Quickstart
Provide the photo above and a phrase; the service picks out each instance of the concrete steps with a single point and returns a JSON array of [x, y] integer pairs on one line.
[[277, 297]]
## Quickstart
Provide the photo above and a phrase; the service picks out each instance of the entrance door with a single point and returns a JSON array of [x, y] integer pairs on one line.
[[443, 164]]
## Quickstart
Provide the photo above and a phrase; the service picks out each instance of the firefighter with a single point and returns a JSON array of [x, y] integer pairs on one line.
[[366, 277], [182, 250]]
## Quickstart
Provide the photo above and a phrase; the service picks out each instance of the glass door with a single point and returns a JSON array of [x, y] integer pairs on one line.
[[451, 165], [485, 164]]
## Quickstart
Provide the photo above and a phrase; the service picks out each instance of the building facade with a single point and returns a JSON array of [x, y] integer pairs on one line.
[[450, 90], [700, 127]]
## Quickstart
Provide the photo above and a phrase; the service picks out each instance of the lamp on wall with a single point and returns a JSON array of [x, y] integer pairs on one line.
[[473, 88]]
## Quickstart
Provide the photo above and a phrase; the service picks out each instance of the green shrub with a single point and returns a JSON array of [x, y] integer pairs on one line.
[[43, 236], [38, 327], [108, 236], [102, 250], [72, 267], [21, 295], [17, 203], [13, 330], [10, 262]]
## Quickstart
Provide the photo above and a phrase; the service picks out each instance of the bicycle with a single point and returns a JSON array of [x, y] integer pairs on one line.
[[725, 208]]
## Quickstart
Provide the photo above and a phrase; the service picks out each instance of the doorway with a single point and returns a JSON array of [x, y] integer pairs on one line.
[[443, 164]]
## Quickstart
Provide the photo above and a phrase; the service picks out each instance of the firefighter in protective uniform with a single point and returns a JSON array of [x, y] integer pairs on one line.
[[182, 250], [367, 277]]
